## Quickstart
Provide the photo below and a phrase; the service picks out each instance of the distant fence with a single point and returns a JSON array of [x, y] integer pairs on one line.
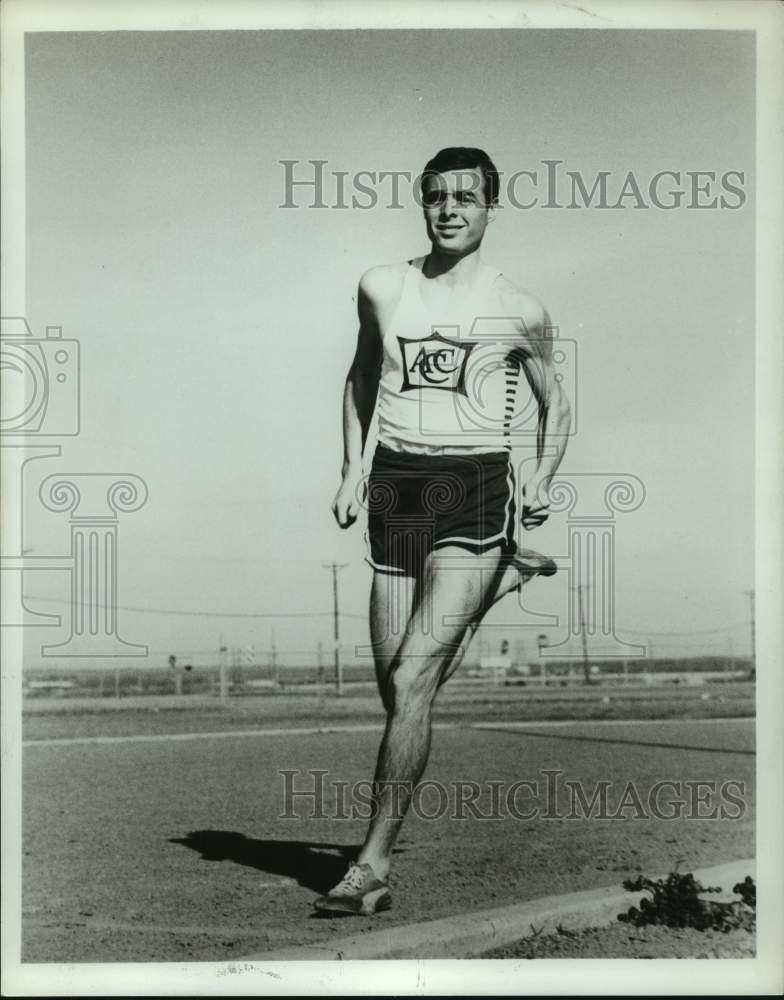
[[125, 681], [244, 679]]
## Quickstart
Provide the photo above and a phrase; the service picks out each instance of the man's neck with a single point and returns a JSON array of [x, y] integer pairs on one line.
[[450, 268]]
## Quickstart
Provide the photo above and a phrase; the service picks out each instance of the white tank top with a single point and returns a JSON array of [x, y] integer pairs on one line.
[[448, 381]]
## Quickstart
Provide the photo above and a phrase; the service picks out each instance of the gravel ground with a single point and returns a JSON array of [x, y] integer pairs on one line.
[[165, 850], [621, 941]]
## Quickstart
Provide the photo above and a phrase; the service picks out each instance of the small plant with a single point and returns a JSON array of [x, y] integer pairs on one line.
[[747, 891], [676, 902]]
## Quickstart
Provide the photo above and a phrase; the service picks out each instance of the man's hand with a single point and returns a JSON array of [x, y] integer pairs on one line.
[[347, 501], [536, 503]]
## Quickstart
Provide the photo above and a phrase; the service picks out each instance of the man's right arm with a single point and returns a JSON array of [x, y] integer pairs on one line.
[[359, 400]]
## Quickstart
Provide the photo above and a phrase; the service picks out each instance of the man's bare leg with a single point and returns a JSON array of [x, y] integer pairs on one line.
[[393, 598], [420, 629], [523, 566], [451, 595], [392, 602]]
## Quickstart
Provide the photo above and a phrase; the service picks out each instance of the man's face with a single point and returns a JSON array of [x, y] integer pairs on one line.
[[456, 213]]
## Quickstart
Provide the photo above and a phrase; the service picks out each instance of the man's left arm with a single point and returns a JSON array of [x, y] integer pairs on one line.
[[554, 415]]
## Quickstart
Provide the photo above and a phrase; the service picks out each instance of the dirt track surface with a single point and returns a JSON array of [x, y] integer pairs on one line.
[[164, 850]]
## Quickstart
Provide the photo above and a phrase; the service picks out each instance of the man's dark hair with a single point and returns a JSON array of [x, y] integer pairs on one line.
[[464, 158]]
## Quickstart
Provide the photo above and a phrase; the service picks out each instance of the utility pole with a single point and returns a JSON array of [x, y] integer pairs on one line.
[[236, 673], [274, 658], [753, 622], [320, 672], [586, 667], [519, 656], [338, 666], [541, 642], [223, 687]]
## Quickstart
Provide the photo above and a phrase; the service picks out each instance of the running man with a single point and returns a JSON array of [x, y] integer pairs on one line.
[[443, 340]]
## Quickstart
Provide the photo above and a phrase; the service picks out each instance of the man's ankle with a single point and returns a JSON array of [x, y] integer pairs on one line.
[[379, 866]]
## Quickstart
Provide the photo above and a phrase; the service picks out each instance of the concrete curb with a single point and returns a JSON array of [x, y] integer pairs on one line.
[[470, 934]]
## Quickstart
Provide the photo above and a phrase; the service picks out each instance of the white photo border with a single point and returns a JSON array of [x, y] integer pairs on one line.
[[751, 976]]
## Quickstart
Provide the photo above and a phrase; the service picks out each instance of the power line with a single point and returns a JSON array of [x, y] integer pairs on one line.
[[341, 614], [696, 631], [680, 644], [198, 614]]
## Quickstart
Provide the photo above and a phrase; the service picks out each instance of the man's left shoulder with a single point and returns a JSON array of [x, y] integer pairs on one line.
[[519, 303]]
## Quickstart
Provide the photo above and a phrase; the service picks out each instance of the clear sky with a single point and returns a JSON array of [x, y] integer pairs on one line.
[[216, 327]]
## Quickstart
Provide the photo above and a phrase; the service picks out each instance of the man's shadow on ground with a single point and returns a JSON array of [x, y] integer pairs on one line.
[[314, 865]]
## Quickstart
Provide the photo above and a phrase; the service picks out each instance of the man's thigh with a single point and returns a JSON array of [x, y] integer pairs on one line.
[[455, 589], [392, 600]]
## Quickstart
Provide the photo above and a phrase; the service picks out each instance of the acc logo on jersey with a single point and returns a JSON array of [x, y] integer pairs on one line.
[[434, 363]]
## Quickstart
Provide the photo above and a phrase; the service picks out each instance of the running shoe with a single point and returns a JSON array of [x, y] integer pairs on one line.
[[359, 892], [531, 563]]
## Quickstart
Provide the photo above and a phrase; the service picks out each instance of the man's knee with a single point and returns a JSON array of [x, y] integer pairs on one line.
[[414, 681], [411, 686]]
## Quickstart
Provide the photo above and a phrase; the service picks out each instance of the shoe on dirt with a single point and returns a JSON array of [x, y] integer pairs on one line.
[[359, 892]]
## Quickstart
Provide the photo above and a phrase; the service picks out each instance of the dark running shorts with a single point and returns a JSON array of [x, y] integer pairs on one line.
[[417, 503]]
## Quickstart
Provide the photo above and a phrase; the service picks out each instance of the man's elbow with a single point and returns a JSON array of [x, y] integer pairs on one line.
[[365, 376]]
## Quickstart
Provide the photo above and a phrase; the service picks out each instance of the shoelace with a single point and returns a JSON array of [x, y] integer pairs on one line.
[[353, 879]]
